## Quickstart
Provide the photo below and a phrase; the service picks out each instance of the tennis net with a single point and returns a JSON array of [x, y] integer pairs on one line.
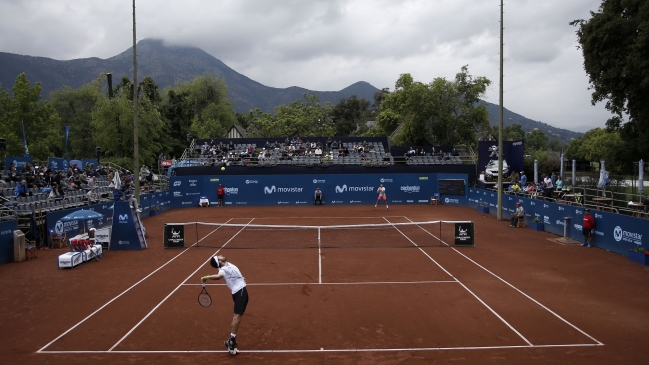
[[280, 236]]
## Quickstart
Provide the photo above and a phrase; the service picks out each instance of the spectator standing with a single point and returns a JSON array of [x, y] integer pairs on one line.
[[220, 193], [523, 178], [587, 228], [515, 177]]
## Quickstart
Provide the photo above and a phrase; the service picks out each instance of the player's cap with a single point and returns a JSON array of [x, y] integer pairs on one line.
[[317, 188], [214, 262], [518, 203], [586, 210]]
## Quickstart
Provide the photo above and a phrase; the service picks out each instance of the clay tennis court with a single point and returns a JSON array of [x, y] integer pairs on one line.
[[366, 295]]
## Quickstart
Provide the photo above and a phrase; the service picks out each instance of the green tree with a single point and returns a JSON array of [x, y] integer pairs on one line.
[[39, 117], [536, 140], [350, 116], [297, 119], [213, 114], [112, 124], [599, 144], [615, 46], [442, 112], [75, 107]]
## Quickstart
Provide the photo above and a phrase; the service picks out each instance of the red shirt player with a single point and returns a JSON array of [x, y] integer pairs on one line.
[[220, 191], [587, 228]]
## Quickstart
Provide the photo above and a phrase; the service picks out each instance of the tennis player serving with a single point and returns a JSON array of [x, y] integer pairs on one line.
[[237, 285], [381, 192]]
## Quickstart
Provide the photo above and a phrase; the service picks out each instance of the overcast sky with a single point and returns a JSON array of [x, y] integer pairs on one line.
[[329, 44]]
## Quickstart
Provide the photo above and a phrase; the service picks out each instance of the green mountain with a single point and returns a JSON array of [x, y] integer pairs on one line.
[[509, 118], [168, 65]]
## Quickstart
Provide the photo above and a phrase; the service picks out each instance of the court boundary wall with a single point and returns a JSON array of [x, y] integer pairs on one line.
[[613, 232]]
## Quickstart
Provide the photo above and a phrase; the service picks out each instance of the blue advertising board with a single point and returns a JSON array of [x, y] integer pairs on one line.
[[123, 235], [91, 161], [18, 161], [58, 163], [256, 190], [613, 232], [7, 241]]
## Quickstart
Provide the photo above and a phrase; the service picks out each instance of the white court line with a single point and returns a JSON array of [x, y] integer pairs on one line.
[[319, 259], [125, 291], [328, 350], [351, 283], [467, 289], [518, 290], [173, 291]]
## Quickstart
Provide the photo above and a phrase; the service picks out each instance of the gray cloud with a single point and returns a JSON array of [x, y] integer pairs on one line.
[[329, 44]]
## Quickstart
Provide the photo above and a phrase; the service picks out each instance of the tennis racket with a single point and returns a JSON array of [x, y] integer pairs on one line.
[[204, 299]]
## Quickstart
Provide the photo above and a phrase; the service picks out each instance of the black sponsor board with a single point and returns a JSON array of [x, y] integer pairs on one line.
[[464, 234], [174, 235], [451, 186]]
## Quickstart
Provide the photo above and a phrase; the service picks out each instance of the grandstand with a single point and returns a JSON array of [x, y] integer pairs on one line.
[[363, 151]]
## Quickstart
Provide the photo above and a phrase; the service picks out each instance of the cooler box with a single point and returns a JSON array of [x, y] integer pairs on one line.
[[70, 259]]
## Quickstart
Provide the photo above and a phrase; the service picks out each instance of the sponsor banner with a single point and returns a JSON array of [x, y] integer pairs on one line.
[[58, 163], [613, 232], [75, 227], [187, 190], [89, 161], [280, 190], [512, 158], [7, 241], [124, 235], [174, 235], [18, 161], [464, 234]]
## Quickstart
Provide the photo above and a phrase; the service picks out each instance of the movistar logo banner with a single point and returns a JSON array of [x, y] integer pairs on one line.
[[344, 188], [273, 189]]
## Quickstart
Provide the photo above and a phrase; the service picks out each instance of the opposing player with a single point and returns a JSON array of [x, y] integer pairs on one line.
[[237, 285], [381, 192]]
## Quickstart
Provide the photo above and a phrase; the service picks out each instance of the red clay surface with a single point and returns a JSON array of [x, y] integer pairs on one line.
[[363, 297]]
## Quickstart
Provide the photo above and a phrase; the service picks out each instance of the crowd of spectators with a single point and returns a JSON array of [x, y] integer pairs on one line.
[[223, 154], [34, 179]]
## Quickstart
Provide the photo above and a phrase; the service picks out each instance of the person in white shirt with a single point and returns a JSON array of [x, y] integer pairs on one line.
[[549, 187], [382, 196], [237, 285]]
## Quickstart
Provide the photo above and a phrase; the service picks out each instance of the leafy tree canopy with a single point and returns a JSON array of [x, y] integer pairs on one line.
[[39, 117], [297, 119], [442, 112], [615, 45]]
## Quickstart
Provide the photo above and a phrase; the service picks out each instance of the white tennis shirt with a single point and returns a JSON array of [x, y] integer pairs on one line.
[[233, 278], [381, 191]]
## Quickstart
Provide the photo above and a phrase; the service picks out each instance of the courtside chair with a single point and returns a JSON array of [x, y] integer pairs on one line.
[[30, 248], [520, 223], [59, 240]]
